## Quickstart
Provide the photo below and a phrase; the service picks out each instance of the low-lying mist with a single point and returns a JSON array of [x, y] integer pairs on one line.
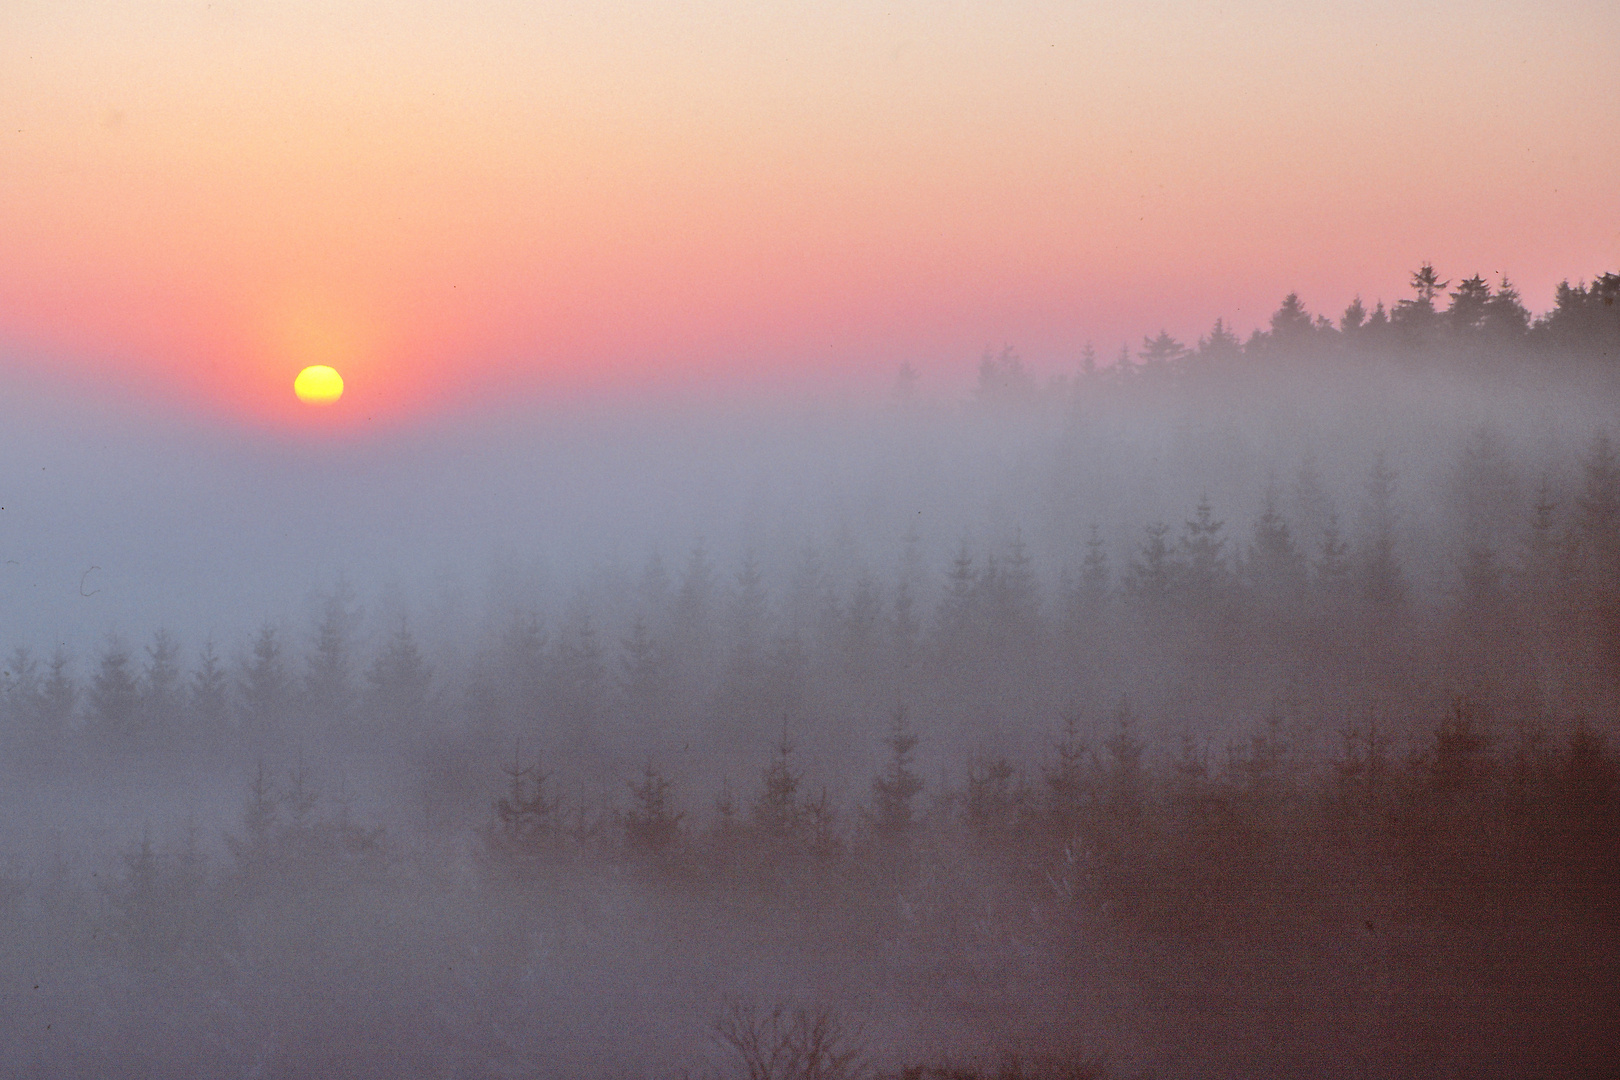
[[1244, 710]]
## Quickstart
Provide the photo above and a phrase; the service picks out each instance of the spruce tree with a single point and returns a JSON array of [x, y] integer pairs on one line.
[[115, 697], [1275, 568], [1331, 569], [265, 687], [895, 790], [776, 810], [1468, 305], [651, 825], [209, 696], [1126, 781], [1506, 322], [1383, 582], [160, 687], [1203, 548], [59, 695], [399, 682], [1154, 573], [1095, 577], [1065, 778], [24, 693], [643, 667], [528, 819], [329, 684]]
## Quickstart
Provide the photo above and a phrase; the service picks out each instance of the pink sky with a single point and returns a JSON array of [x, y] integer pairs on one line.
[[446, 200]]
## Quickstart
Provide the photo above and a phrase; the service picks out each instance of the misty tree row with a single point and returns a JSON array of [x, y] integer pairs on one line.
[[1103, 825], [1481, 323], [1533, 592], [1249, 859]]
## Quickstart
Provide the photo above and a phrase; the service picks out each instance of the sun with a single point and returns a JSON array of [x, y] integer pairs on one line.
[[318, 385]]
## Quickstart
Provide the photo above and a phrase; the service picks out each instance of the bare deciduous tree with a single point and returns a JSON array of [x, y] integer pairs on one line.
[[785, 1041]]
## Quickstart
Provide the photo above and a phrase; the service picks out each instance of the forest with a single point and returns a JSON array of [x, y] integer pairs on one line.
[[1241, 708]]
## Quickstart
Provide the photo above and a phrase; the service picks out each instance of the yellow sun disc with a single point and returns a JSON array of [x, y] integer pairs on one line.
[[318, 385]]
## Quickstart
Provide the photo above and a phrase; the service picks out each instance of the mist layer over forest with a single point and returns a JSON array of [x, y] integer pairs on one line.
[[1241, 708]]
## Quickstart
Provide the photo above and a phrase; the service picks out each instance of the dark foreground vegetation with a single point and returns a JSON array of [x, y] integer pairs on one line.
[[1315, 777], [1259, 913]]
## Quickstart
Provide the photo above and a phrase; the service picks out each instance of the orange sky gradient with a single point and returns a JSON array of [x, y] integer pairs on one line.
[[450, 202]]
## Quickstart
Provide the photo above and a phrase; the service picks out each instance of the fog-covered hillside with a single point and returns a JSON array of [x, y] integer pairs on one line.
[[1242, 708]]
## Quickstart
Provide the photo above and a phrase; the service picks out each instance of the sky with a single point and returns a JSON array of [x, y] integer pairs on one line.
[[464, 204]]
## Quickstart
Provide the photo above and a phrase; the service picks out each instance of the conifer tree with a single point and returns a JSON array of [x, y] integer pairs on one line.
[[1161, 354], [1065, 779], [1203, 548], [726, 813], [329, 685], [960, 589], [1017, 596], [1354, 317], [1383, 583], [1095, 577], [23, 702], [1221, 349], [821, 826], [1275, 568], [1123, 370], [1468, 305], [254, 851], [1291, 323], [806, 590], [896, 789], [265, 687], [398, 683], [1332, 566], [139, 903], [1425, 283], [1484, 490], [115, 697], [1154, 573], [859, 626], [776, 810], [1506, 321], [1457, 762], [906, 627], [1377, 322], [1003, 380], [59, 695], [651, 825], [528, 818], [643, 667], [994, 801], [905, 384], [160, 686], [1414, 323], [1125, 775], [1585, 320], [209, 695]]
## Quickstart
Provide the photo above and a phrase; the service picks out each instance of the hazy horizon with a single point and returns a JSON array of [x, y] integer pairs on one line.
[[1030, 541]]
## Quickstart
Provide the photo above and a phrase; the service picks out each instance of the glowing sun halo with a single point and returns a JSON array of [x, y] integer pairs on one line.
[[318, 385]]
